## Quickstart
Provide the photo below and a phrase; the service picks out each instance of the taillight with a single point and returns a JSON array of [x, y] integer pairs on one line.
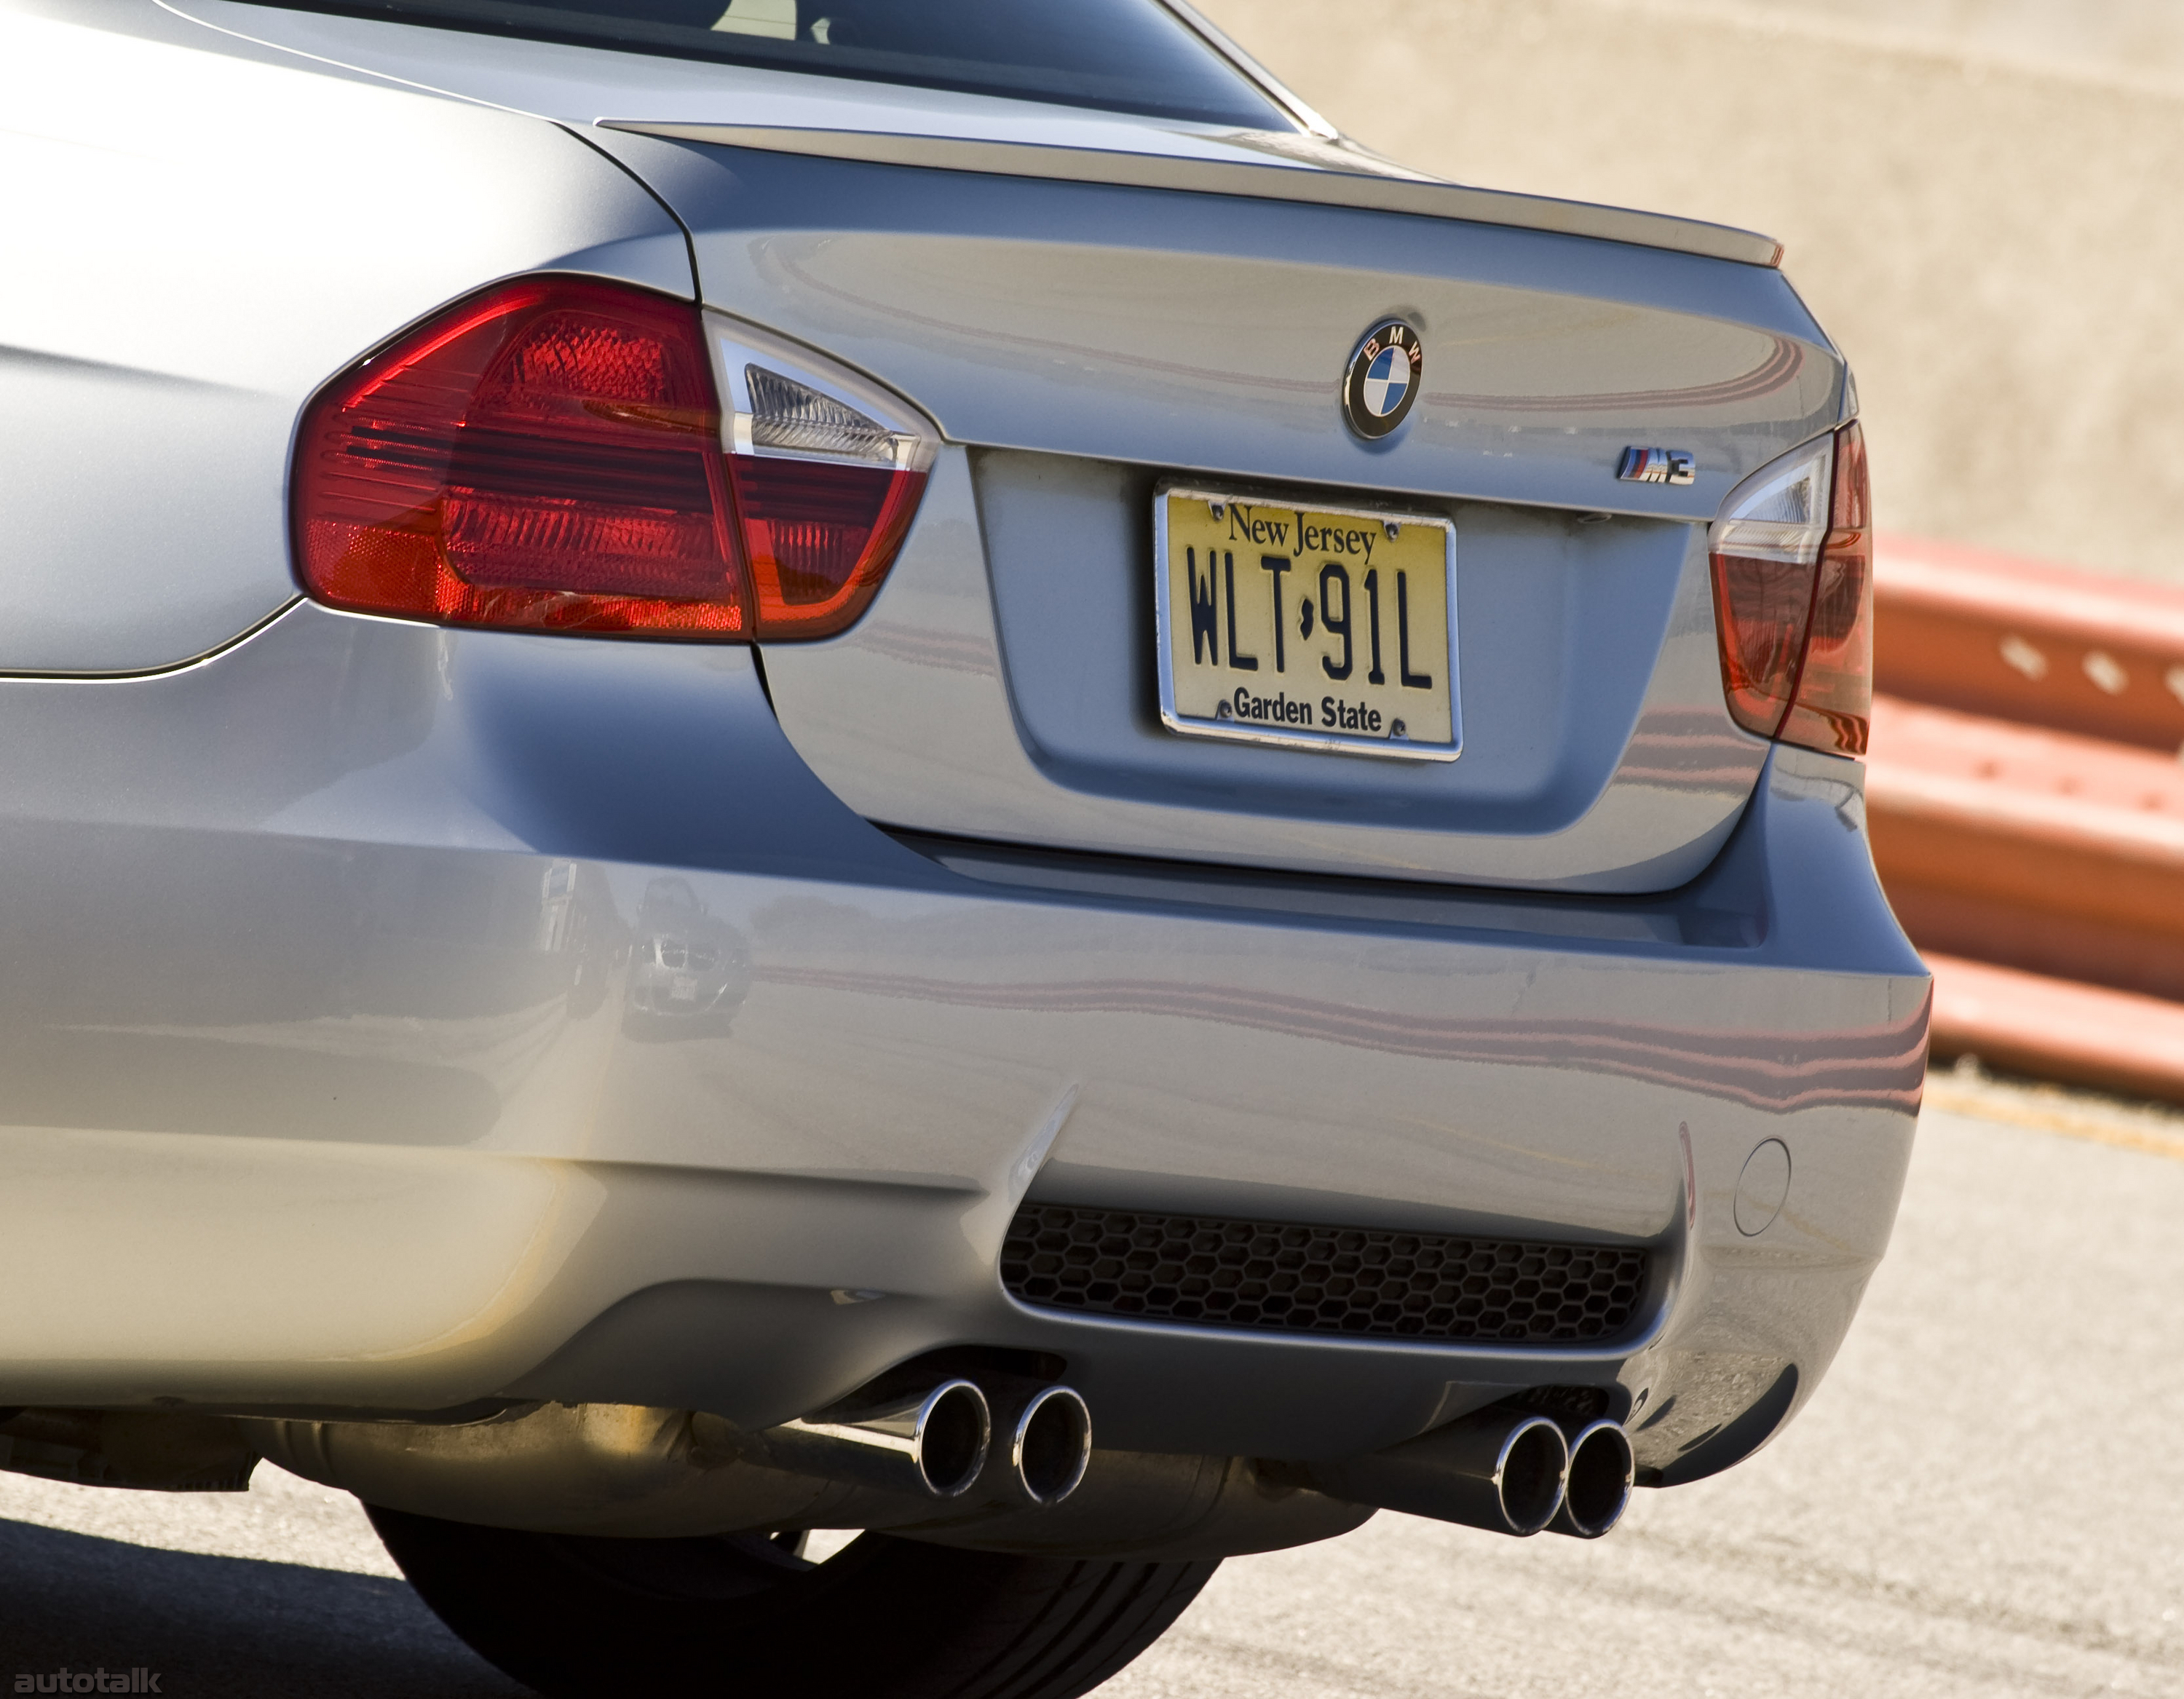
[[1833, 705], [828, 470], [550, 455], [1793, 562]]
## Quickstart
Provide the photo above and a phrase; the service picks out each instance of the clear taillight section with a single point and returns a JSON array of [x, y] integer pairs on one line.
[[552, 455], [1793, 562], [828, 470]]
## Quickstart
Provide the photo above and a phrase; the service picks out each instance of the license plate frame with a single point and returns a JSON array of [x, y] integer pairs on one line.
[[1336, 721]]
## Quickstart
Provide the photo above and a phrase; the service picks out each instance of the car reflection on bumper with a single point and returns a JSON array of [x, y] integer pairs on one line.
[[689, 970]]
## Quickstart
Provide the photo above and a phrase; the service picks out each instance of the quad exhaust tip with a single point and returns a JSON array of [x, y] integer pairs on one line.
[[1529, 1475], [936, 1440], [1602, 1471], [1496, 1469], [1051, 1445], [1509, 1470], [953, 1429], [932, 1442]]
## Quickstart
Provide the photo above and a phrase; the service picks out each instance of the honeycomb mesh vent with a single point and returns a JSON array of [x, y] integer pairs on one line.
[[1358, 1281]]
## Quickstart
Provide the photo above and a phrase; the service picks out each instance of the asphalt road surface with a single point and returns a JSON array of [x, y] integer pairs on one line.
[[1986, 1497]]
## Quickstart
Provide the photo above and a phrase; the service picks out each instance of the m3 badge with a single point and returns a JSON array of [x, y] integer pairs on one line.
[[1658, 466], [1383, 380]]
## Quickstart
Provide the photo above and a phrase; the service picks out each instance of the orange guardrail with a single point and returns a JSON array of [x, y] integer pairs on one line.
[[2058, 1029], [2026, 802], [2023, 640]]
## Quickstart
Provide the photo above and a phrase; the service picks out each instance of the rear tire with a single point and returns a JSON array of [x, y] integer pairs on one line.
[[741, 1614]]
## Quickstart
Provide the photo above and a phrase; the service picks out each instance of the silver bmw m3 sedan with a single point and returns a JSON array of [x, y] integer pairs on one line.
[[901, 765]]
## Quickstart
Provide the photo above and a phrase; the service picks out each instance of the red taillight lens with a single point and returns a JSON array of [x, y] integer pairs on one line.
[[1793, 599], [545, 456], [1833, 705], [549, 456], [819, 537]]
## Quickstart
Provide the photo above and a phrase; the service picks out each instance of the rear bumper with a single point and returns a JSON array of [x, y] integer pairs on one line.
[[322, 1089]]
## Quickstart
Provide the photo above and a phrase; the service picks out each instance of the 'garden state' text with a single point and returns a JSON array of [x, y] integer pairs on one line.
[[1281, 709]]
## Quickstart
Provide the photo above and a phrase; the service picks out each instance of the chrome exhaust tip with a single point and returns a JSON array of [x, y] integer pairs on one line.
[[1603, 1470], [1051, 1445], [932, 1442], [1499, 1470], [1531, 1470]]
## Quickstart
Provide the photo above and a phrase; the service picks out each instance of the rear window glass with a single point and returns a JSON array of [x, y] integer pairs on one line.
[[1120, 55]]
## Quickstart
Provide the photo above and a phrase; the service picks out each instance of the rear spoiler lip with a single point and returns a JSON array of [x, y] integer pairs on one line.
[[1319, 185]]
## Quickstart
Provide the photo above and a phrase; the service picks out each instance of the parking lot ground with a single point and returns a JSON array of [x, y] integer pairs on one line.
[[1986, 1497]]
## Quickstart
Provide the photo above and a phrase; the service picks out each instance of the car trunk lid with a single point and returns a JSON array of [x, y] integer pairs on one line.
[[1083, 346], [1092, 304]]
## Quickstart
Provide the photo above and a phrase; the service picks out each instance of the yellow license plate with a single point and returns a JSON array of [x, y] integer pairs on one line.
[[1309, 628]]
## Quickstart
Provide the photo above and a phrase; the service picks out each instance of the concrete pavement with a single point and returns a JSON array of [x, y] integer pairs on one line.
[[1985, 1498]]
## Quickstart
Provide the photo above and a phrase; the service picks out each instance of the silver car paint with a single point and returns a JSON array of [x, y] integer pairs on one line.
[[192, 241], [1000, 688], [316, 1091], [582, 85], [1293, 168], [1201, 334], [1146, 325], [1205, 333], [1142, 327]]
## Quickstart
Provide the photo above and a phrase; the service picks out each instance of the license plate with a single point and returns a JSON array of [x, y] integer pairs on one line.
[[1308, 627], [682, 988]]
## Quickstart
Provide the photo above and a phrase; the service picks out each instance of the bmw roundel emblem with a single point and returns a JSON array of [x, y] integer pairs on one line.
[[1384, 378]]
